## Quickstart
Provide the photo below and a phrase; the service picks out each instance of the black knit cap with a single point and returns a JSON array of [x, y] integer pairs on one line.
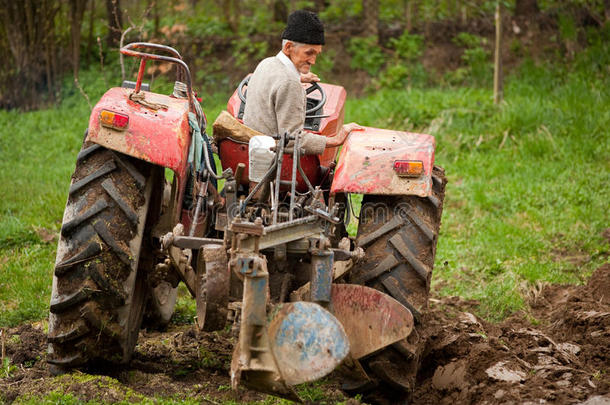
[[304, 27]]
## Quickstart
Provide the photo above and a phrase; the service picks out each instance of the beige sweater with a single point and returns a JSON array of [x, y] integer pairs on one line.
[[275, 99]]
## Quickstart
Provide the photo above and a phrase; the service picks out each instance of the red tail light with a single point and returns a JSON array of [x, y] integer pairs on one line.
[[408, 168]]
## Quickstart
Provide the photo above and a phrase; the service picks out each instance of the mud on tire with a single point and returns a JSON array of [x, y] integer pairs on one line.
[[98, 296], [399, 235]]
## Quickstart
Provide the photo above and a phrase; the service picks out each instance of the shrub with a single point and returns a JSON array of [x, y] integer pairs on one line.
[[408, 46], [366, 54], [476, 58]]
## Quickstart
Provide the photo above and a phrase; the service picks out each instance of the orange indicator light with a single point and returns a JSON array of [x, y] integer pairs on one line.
[[114, 120]]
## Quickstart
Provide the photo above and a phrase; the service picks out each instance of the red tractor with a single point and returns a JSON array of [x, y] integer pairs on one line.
[[263, 244]]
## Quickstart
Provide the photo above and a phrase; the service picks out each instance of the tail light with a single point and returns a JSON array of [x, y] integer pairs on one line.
[[114, 120], [408, 168]]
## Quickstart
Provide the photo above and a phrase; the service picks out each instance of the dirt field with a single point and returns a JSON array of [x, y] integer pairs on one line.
[[557, 353]]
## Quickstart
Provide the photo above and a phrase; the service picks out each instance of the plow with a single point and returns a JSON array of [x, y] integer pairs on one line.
[[261, 243]]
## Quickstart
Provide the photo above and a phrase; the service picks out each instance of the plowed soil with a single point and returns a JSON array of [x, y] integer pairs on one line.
[[559, 352]]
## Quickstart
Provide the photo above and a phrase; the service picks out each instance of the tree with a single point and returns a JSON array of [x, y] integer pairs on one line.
[[76, 11], [28, 43], [370, 11], [115, 22], [280, 11], [230, 13]]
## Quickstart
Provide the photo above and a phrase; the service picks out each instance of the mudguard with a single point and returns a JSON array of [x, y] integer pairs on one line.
[[159, 136], [366, 163]]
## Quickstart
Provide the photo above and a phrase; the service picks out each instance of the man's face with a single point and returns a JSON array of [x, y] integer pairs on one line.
[[303, 56]]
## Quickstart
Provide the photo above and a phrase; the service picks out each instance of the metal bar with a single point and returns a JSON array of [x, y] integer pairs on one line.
[[305, 220], [283, 234], [129, 50], [140, 75], [199, 201], [150, 45], [278, 177], [193, 242], [295, 158]]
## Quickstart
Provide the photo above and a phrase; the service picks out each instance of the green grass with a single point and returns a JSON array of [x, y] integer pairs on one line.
[[527, 193], [37, 157], [528, 180]]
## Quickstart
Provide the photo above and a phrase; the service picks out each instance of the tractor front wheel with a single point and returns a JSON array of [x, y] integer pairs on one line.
[[98, 294]]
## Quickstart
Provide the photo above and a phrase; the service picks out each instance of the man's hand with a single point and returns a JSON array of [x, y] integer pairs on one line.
[[342, 135], [352, 126], [309, 77]]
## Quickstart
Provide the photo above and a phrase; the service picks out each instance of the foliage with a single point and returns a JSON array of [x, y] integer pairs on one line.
[[7, 368], [408, 47], [515, 212], [366, 54], [325, 63], [405, 68], [203, 25], [341, 9], [245, 50], [478, 68]]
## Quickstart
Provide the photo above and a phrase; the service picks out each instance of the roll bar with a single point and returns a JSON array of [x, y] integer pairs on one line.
[[130, 50]]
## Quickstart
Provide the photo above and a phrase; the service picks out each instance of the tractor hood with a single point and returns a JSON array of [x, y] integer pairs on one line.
[[369, 159]]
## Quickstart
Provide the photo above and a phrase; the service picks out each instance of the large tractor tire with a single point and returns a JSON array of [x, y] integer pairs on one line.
[[399, 235], [98, 294]]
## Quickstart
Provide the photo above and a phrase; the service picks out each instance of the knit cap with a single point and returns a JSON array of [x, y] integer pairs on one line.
[[304, 27]]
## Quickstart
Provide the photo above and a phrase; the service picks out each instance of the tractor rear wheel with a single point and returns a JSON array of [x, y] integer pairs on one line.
[[98, 294], [399, 235]]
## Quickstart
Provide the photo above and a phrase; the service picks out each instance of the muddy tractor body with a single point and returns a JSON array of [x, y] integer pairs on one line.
[[268, 253]]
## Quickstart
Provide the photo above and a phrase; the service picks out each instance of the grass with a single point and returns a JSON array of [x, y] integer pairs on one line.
[[526, 199], [528, 188], [37, 157]]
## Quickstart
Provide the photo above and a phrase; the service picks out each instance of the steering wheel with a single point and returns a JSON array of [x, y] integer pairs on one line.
[[314, 87]]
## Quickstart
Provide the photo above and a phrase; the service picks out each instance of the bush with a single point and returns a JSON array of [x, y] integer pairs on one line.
[[405, 67], [245, 50], [478, 69], [366, 54], [408, 46]]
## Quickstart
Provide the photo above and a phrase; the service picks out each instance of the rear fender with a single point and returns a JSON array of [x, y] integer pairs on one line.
[[161, 137], [366, 163]]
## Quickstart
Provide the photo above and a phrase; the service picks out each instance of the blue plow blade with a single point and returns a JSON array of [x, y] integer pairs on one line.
[[307, 341]]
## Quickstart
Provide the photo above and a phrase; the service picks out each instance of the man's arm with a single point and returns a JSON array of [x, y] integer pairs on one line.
[[342, 135]]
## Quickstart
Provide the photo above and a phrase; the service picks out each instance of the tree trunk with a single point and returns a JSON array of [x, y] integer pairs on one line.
[[230, 13], [28, 65], [76, 11], [115, 22], [409, 15], [90, 35], [370, 11]]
